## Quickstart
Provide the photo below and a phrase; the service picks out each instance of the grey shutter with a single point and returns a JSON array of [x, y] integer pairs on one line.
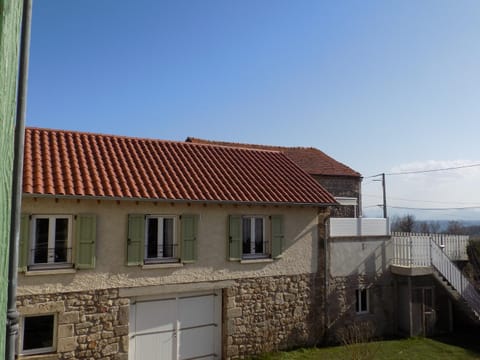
[[277, 235], [135, 239], [85, 238], [189, 238], [23, 244], [235, 237]]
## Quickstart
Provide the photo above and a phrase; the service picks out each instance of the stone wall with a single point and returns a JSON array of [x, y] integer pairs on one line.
[[91, 325], [269, 313], [342, 186], [341, 302]]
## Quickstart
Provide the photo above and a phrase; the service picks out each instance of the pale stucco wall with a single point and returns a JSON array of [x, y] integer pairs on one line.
[[299, 257], [362, 256]]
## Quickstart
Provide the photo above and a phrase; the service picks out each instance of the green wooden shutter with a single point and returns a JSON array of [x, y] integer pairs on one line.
[[235, 237], [189, 238], [85, 239], [136, 239], [23, 244], [277, 235]]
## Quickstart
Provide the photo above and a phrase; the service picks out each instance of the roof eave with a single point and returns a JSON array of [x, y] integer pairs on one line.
[[179, 201]]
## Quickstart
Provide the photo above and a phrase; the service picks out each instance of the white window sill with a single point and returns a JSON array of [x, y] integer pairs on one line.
[[162, 265], [50, 356], [256, 261], [52, 271]]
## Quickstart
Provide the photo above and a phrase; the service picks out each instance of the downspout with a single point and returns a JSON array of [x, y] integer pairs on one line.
[[326, 273], [12, 313]]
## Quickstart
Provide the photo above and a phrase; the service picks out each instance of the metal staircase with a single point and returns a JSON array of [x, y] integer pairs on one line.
[[452, 279]]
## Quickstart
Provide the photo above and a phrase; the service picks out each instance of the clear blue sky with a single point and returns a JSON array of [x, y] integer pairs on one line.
[[378, 85]]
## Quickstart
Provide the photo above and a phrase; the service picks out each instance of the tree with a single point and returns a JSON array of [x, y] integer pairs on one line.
[[406, 223]]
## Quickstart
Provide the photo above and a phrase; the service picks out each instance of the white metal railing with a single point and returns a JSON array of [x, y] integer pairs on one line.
[[425, 251], [454, 276], [454, 246]]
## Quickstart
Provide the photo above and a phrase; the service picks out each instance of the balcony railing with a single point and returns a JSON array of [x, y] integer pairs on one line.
[[45, 257]]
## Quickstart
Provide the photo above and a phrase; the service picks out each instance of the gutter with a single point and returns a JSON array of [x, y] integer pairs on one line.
[[12, 313]]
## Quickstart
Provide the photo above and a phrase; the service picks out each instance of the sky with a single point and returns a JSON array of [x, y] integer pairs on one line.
[[381, 86]]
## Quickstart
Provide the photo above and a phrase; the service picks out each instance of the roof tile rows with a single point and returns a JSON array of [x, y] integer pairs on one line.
[[312, 160], [69, 163]]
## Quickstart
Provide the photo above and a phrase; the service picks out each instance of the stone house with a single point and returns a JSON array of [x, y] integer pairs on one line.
[[139, 248]]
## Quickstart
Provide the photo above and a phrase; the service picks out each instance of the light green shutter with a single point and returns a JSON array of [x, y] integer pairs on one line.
[[136, 239], [85, 239], [189, 238], [235, 237], [23, 244], [277, 235]]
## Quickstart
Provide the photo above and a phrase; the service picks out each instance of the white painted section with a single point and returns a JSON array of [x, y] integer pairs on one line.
[[176, 328], [347, 201], [352, 227], [363, 256]]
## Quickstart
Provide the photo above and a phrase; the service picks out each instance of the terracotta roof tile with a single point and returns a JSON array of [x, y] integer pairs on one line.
[[77, 164], [312, 160]]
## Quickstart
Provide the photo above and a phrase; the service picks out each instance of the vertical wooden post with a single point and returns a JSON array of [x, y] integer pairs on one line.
[[10, 18]]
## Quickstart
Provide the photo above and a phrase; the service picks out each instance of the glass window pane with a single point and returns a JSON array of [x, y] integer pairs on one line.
[[38, 332], [357, 300], [61, 240], [40, 251], [152, 238], [259, 236], [168, 237], [246, 233], [363, 301]]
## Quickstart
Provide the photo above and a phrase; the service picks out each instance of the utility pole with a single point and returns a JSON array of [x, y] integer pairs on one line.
[[384, 196]]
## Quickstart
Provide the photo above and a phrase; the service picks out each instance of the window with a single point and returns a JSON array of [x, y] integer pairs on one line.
[[57, 242], [361, 304], [160, 241], [51, 241], [38, 334], [253, 235]]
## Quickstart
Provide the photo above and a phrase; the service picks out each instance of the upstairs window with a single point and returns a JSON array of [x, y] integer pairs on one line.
[[161, 239], [51, 241], [253, 236], [160, 244], [57, 242]]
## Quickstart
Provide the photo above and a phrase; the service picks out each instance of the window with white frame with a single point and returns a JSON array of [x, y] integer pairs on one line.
[[253, 236], [361, 304], [38, 334], [160, 244], [51, 240]]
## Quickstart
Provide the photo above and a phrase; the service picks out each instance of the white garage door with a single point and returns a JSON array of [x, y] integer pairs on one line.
[[181, 327]]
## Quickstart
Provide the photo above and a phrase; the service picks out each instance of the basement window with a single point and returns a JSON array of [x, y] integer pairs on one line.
[[38, 334], [361, 301]]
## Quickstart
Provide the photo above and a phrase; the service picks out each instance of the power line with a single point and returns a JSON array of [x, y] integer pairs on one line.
[[424, 171], [425, 201], [434, 209]]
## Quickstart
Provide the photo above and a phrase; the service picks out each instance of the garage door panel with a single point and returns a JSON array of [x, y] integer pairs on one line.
[[156, 316], [155, 346], [197, 310], [197, 342]]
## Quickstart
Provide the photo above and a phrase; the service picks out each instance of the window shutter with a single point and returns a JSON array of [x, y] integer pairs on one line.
[[135, 240], [23, 244], [189, 238], [235, 237], [85, 239], [277, 235]]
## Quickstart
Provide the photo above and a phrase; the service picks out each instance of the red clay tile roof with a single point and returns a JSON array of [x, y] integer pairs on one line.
[[312, 160], [67, 163]]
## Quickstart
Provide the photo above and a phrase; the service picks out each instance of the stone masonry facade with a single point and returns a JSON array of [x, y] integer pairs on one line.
[[341, 301], [90, 325], [267, 314]]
